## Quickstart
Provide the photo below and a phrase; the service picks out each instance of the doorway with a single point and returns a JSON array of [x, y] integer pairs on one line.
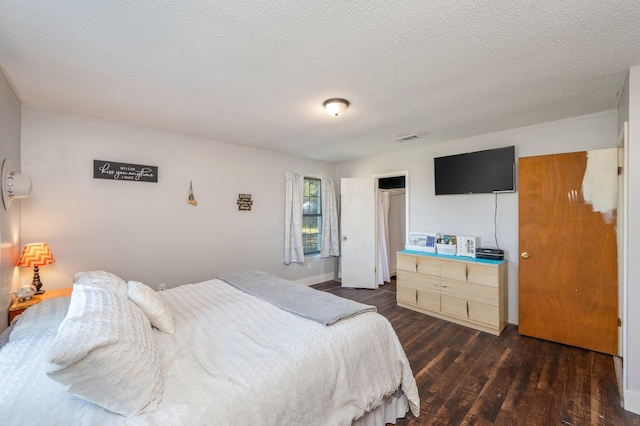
[[391, 222], [359, 229]]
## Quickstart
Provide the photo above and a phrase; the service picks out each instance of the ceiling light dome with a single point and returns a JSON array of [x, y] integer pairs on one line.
[[336, 106]]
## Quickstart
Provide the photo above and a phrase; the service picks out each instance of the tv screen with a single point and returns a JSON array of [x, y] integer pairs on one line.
[[478, 172]]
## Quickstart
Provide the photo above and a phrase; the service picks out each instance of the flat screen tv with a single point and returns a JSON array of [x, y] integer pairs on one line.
[[478, 172]]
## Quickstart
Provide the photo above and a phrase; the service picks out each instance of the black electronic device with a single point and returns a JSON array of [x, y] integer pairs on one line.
[[489, 253], [478, 172]]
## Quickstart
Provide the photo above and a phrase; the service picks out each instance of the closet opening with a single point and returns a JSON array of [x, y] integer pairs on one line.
[[392, 218]]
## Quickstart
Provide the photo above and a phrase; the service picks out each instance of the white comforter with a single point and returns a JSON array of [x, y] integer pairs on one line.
[[234, 360]]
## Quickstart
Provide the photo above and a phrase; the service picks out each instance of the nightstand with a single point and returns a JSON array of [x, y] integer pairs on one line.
[[18, 307]]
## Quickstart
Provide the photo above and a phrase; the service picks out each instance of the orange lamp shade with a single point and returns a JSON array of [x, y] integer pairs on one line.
[[36, 255]]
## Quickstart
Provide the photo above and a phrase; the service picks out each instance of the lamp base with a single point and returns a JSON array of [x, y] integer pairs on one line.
[[36, 280]]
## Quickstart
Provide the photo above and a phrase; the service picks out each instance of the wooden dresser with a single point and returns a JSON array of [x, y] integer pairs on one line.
[[464, 290]]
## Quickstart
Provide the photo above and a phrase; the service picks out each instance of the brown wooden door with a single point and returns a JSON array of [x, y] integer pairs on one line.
[[568, 291]]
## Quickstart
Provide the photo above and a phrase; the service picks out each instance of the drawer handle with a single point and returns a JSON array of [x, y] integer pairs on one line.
[[467, 309], [466, 272], [416, 297]]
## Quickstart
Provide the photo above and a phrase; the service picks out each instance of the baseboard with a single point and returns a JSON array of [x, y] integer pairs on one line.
[[317, 279], [632, 401]]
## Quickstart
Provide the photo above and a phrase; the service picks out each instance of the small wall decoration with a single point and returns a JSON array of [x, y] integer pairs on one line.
[[192, 199], [124, 171], [244, 202]]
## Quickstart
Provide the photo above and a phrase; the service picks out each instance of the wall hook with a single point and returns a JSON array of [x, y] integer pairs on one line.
[[192, 199]]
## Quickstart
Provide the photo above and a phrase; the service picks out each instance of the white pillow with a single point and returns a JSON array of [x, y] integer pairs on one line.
[[105, 352], [153, 305], [101, 279]]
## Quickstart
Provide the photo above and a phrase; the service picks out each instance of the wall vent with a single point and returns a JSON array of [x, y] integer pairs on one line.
[[407, 138]]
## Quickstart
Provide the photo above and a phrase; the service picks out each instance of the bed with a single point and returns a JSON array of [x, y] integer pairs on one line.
[[206, 353]]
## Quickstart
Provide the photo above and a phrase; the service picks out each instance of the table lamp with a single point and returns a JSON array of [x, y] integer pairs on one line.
[[36, 255]]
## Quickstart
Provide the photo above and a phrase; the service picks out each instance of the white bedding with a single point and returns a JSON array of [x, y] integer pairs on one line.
[[233, 360]]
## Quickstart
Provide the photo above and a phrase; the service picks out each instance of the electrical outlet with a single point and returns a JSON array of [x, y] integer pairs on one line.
[[162, 287], [308, 265]]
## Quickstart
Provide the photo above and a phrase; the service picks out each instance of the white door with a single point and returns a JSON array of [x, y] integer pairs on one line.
[[358, 229]]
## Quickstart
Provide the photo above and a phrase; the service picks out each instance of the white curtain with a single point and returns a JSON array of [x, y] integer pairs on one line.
[[294, 193], [383, 237], [330, 240]]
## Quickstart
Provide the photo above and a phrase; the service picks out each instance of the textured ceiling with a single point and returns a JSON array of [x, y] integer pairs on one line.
[[256, 73]]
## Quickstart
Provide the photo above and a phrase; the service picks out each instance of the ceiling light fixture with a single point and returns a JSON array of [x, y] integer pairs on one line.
[[335, 106]]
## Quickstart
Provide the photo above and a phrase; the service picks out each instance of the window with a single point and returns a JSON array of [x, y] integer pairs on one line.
[[311, 216]]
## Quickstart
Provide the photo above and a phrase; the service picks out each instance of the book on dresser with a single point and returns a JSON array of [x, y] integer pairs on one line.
[[466, 291]]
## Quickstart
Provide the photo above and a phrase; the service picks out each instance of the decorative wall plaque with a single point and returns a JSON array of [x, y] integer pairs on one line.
[[124, 171], [244, 202]]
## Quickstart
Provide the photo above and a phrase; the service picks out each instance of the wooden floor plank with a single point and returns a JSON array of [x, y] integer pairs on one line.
[[489, 402], [523, 387], [606, 397], [576, 401], [467, 377]]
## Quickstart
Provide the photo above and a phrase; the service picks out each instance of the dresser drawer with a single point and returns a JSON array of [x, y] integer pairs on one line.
[[469, 310], [429, 266], [418, 297], [415, 279], [453, 306], [406, 262], [485, 314], [421, 264], [470, 272], [470, 291], [483, 274]]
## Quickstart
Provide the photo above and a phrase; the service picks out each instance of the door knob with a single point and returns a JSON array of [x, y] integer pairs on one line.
[[344, 238], [524, 255]]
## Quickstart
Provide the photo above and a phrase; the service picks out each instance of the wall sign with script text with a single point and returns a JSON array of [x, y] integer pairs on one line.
[[244, 202], [124, 171]]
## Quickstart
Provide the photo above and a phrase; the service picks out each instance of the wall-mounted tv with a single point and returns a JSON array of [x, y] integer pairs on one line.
[[478, 172]]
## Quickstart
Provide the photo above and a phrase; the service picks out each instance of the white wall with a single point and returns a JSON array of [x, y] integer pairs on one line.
[[147, 231], [9, 220], [632, 359], [473, 214]]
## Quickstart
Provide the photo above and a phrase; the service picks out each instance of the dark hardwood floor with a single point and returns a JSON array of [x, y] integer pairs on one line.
[[467, 377]]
